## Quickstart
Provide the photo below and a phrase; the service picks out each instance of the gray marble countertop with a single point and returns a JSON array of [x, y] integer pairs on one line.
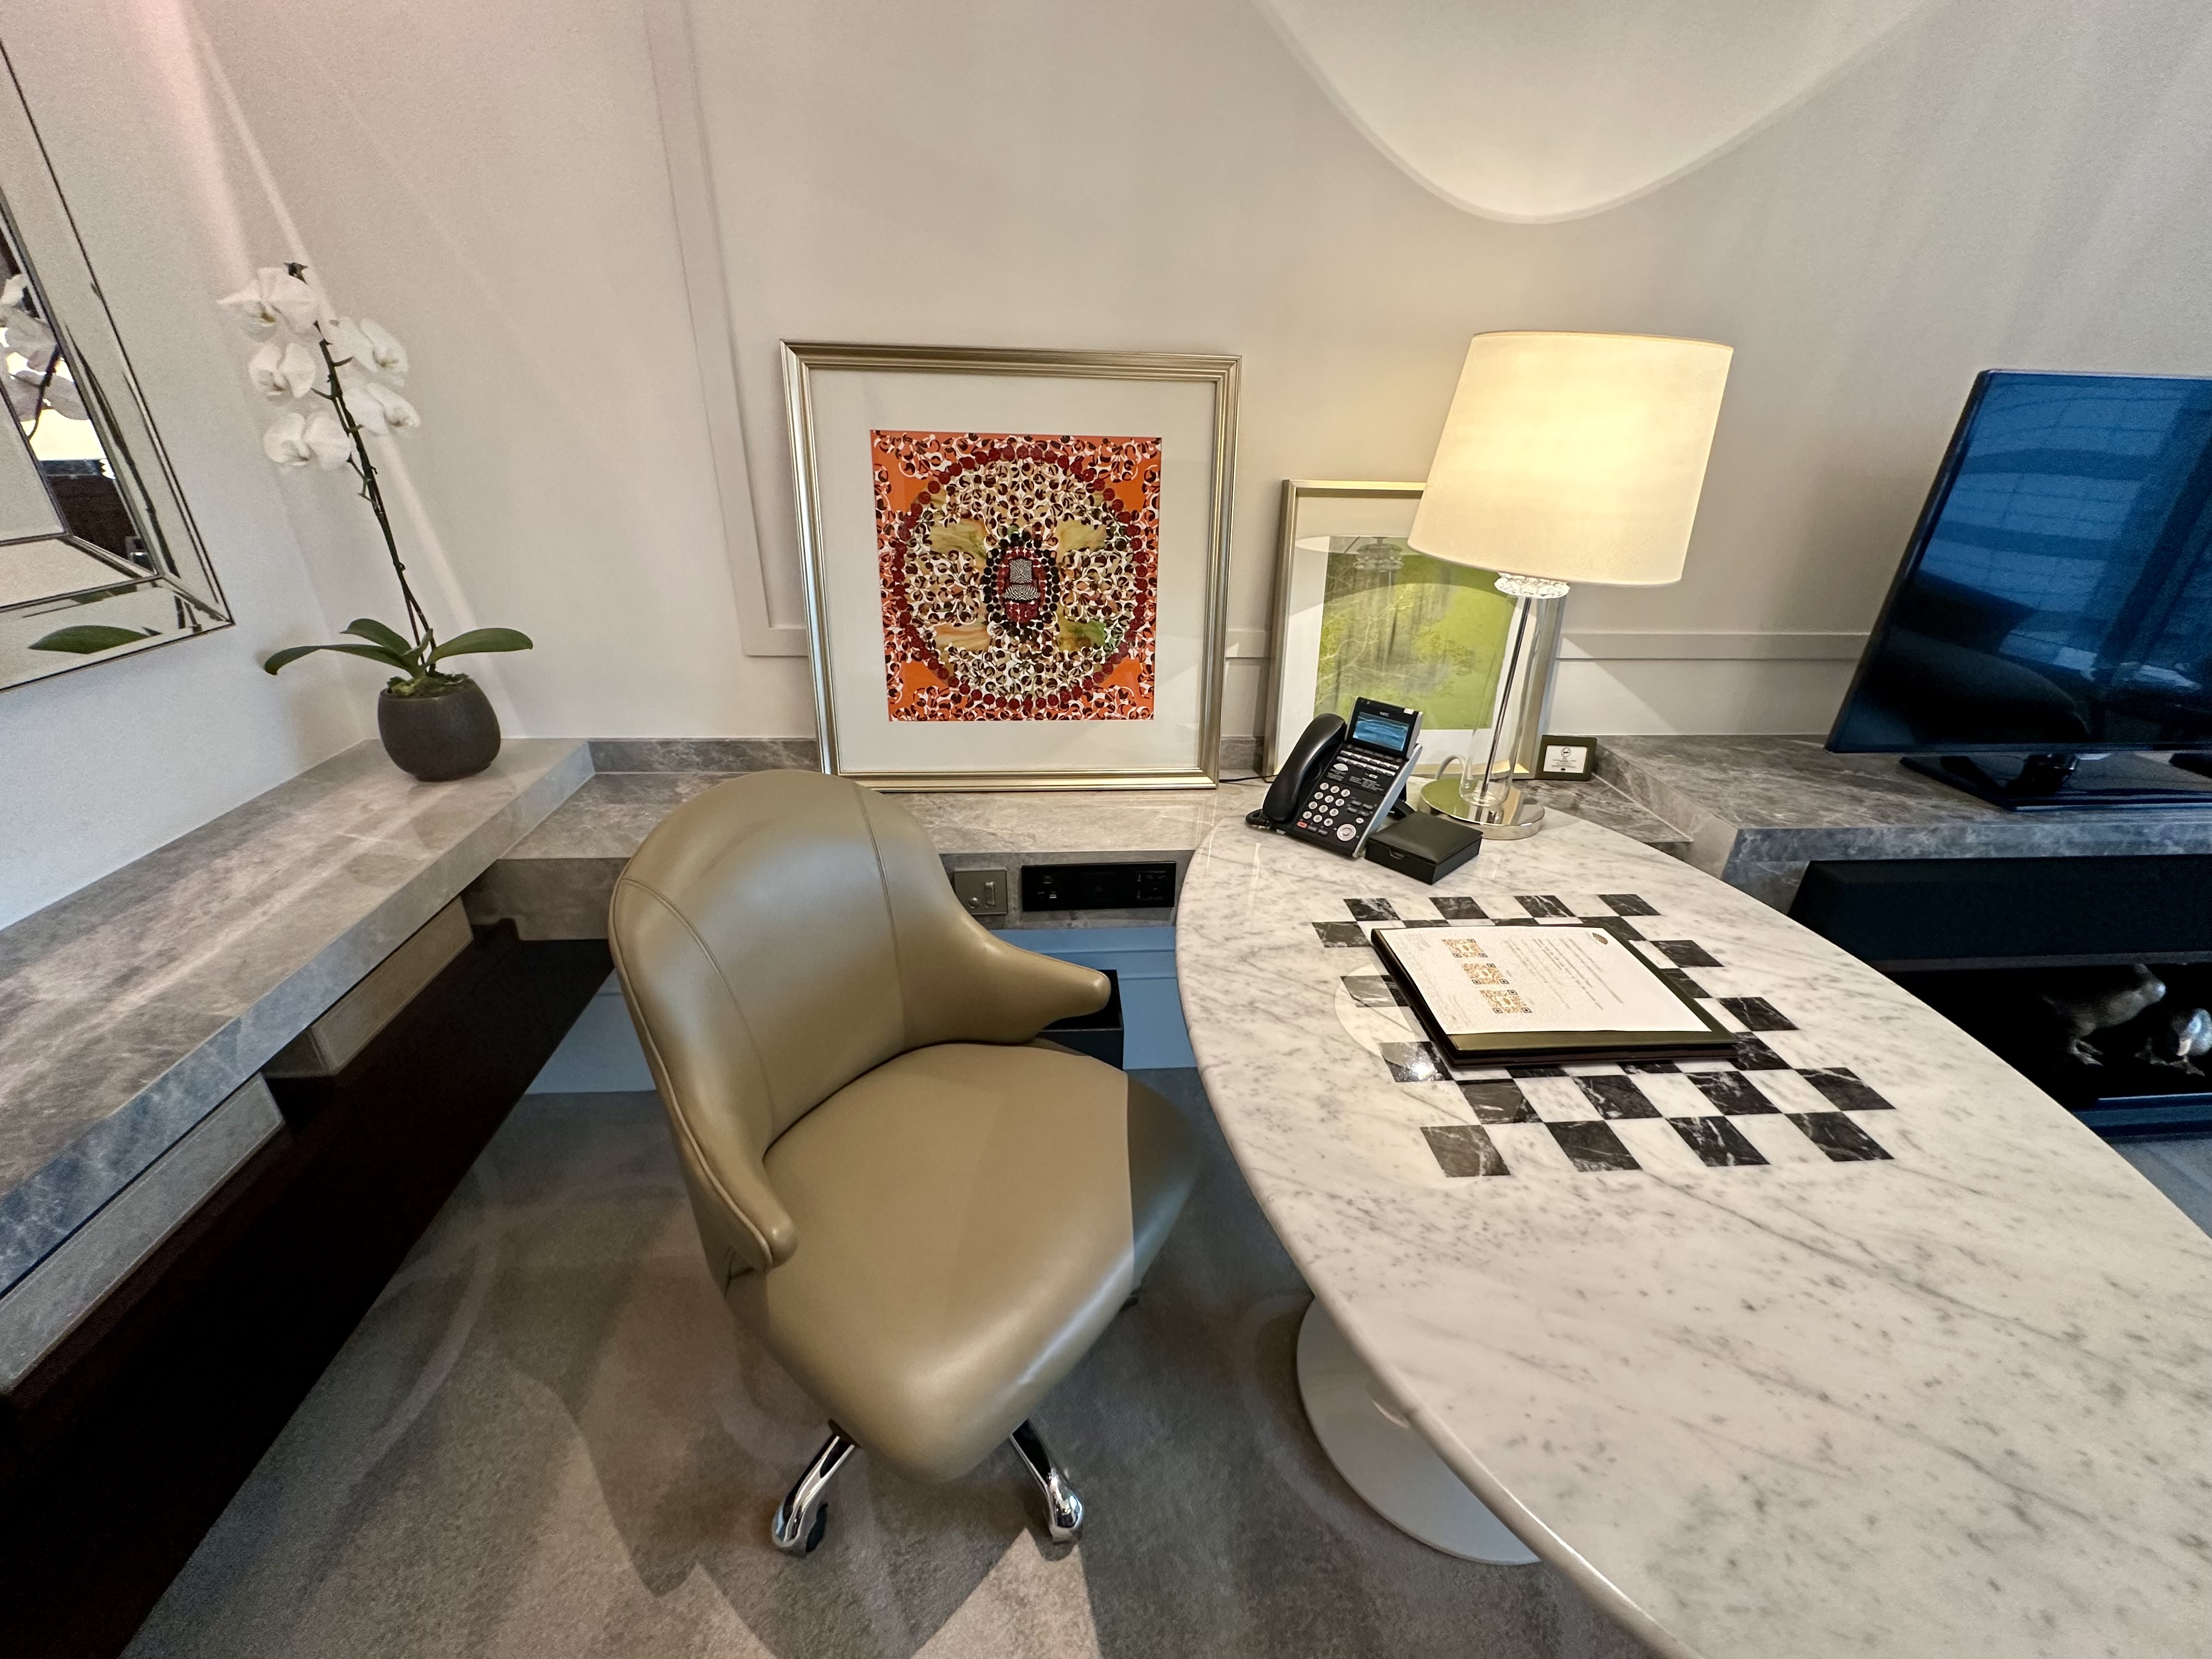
[[1757, 809], [555, 882], [1773, 1358], [131, 1008]]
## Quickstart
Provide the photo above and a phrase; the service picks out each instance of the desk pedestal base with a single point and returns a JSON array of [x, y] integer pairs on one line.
[[1385, 1461]]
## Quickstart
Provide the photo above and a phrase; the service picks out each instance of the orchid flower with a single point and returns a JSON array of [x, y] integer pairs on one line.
[[274, 299], [12, 293], [327, 442], [286, 440], [37, 357], [348, 344], [62, 394], [381, 412], [26, 334], [386, 355], [23, 396], [60, 391], [279, 374]]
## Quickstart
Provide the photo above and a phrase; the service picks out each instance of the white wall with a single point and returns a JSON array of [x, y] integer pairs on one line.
[[1996, 182], [99, 765], [486, 178], [2010, 182]]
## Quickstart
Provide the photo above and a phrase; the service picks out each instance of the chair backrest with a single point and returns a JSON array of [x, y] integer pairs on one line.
[[777, 936]]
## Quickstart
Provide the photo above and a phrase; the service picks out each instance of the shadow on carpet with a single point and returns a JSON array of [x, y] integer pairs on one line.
[[548, 1438]]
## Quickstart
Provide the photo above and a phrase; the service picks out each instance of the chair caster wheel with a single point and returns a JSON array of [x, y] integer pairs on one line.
[[804, 1514], [1063, 1509], [800, 1536]]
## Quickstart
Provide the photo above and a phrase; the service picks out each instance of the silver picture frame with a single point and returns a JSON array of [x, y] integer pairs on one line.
[[1382, 509], [804, 359]]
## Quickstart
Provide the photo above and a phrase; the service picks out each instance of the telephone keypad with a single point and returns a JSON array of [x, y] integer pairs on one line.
[[1347, 799]]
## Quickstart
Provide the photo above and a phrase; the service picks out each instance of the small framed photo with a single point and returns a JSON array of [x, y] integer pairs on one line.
[[1360, 614], [1565, 760], [1015, 562]]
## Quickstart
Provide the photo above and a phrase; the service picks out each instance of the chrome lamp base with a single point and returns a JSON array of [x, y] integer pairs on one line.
[[1503, 812]]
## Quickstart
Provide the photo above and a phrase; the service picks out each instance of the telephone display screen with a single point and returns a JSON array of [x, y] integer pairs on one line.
[[1380, 731]]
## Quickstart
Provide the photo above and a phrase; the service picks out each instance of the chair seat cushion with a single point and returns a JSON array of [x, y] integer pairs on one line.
[[969, 1217]]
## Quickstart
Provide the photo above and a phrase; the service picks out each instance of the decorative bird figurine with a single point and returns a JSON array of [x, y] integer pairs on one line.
[[2098, 1002], [2178, 1039]]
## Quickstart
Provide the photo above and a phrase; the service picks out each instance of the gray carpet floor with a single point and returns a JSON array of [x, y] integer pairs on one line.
[[2181, 1169], [549, 1439]]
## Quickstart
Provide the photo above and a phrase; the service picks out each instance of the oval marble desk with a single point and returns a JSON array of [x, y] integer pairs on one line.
[[1954, 1402]]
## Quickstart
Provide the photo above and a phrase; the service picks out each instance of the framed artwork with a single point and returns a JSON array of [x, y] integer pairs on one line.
[[1360, 614], [1014, 562]]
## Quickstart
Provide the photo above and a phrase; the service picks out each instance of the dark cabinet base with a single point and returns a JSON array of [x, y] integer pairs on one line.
[[2004, 947], [118, 1453]]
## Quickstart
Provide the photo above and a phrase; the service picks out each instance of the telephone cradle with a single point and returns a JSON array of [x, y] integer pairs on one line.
[[1339, 782]]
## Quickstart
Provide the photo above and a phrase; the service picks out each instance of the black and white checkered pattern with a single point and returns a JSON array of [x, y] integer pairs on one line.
[[1756, 1110]]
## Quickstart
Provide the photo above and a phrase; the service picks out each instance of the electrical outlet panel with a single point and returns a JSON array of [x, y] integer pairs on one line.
[[983, 891], [1097, 886]]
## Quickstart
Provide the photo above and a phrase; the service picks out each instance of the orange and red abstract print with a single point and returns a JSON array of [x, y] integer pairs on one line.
[[1019, 575]]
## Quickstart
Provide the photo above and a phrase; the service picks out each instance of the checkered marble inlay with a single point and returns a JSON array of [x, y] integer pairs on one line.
[[1761, 1109]]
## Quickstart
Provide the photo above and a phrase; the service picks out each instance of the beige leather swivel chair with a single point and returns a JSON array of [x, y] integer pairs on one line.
[[926, 1215]]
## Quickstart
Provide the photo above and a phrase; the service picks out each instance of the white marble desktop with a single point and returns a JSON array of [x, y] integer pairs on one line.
[[1954, 1403]]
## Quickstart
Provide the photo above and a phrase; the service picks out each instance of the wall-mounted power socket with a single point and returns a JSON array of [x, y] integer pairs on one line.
[[983, 891]]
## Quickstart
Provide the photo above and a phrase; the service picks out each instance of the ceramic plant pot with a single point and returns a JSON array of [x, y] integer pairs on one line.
[[451, 733]]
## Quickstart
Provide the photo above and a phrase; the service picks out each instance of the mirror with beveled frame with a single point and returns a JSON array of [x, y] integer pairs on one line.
[[98, 555]]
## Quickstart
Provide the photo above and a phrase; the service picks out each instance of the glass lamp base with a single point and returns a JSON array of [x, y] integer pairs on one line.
[[1502, 812]]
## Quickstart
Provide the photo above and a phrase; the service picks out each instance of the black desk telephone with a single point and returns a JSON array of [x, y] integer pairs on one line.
[[1339, 782]]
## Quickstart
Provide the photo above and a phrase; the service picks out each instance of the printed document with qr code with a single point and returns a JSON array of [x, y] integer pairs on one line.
[[1505, 980]]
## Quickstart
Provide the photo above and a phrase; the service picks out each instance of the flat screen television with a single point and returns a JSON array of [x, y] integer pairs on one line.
[[2055, 601]]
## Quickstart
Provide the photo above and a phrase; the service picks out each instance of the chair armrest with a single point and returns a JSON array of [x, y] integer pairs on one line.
[[977, 988]]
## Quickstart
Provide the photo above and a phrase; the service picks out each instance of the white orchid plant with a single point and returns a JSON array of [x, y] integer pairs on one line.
[[42, 380], [356, 367]]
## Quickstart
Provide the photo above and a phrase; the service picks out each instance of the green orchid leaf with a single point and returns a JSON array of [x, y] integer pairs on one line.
[[483, 639], [373, 653], [367, 628], [86, 638]]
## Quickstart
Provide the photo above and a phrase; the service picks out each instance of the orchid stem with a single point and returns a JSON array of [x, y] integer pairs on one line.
[[418, 621]]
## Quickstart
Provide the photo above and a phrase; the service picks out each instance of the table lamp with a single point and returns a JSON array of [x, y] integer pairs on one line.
[[1565, 458]]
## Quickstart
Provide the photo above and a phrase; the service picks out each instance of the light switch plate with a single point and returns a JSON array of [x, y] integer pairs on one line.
[[983, 891]]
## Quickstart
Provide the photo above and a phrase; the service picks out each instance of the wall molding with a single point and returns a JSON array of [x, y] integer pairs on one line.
[[707, 289], [1643, 645], [1639, 644]]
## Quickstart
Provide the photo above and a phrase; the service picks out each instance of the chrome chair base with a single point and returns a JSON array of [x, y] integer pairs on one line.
[[803, 1515], [1063, 1509]]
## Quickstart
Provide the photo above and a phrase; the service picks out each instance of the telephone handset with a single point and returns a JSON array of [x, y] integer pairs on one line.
[[1338, 782]]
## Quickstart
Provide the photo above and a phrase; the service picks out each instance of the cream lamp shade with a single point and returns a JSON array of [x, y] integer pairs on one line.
[[1574, 458]]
